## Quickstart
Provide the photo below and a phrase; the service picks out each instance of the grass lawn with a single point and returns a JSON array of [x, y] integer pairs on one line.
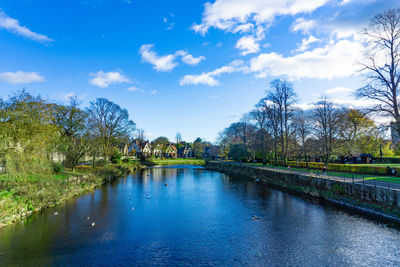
[[387, 179], [378, 165], [178, 161]]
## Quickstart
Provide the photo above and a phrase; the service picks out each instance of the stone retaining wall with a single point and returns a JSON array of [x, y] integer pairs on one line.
[[317, 186]]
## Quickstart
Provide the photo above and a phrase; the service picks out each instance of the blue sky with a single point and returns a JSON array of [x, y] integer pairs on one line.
[[191, 67]]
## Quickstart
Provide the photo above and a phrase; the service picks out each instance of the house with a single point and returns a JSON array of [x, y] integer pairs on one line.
[[147, 151], [185, 152], [135, 150], [158, 151], [171, 152], [363, 158]]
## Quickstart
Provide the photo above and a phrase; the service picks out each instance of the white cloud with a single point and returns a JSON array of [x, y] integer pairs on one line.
[[167, 62], [12, 25], [188, 58], [353, 103], [334, 60], [303, 25], [134, 88], [203, 78], [229, 14], [248, 45], [339, 90], [243, 28], [305, 43], [208, 78], [104, 79], [68, 96], [21, 77], [160, 63], [153, 92]]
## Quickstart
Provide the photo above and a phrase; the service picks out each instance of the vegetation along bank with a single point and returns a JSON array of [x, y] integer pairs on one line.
[[20, 196]]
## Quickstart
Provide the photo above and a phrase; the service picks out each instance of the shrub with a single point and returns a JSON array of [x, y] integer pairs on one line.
[[115, 157], [125, 160], [100, 163], [380, 170], [58, 168]]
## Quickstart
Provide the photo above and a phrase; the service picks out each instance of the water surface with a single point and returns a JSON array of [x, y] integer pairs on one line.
[[192, 216]]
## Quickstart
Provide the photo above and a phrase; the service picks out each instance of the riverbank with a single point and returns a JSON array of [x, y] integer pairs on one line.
[[21, 196], [367, 199], [154, 162]]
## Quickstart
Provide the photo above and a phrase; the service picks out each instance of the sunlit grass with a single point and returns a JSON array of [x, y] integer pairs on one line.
[[178, 161]]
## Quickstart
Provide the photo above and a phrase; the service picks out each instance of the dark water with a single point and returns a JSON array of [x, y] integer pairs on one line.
[[200, 218]]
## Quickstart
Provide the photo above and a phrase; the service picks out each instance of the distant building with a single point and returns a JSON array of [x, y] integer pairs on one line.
[[158, 151], [135, 150], [185, 152], [171, 152], [147, 151], [363, 158]]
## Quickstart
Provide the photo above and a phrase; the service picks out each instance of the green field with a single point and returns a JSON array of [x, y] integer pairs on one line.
[[178, 161]]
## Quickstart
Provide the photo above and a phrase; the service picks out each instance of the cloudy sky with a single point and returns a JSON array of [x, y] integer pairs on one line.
[[183, 66]]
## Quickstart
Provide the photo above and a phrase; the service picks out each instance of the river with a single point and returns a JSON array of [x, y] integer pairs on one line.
[[183, 215]]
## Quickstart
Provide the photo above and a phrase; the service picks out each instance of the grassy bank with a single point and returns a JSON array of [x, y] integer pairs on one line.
[[177, 161], [20, 196]]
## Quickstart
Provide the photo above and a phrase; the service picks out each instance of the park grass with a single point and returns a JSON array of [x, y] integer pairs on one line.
[[386, 179], [178, 161], [20, 195]]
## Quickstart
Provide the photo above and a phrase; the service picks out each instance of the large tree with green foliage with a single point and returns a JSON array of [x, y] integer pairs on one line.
[[27, 134]]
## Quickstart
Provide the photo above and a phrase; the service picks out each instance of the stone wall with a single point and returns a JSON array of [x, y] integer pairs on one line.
[[381, 199]]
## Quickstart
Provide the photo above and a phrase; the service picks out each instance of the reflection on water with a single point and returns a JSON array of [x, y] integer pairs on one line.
[[187, 215]]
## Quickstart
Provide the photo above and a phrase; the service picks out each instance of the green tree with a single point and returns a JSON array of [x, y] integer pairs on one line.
[[354, 128], [27, 134], [162, 140], [238, 152], [198, 147]]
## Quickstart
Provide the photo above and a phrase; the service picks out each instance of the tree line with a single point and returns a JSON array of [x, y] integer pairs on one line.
[[277, 129], [33, 129]]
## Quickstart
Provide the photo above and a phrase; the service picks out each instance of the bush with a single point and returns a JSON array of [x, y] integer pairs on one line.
[[125, 160], [58, 168], [115, 157], [379, 170], [100, 163]]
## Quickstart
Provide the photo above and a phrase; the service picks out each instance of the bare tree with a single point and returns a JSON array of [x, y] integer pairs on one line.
[[72, 124], [273, 125], [302, 126], [140, 135], [381, 66], [109, 122], [283, 96], [260, 115], [325, 126], [178, 138]]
